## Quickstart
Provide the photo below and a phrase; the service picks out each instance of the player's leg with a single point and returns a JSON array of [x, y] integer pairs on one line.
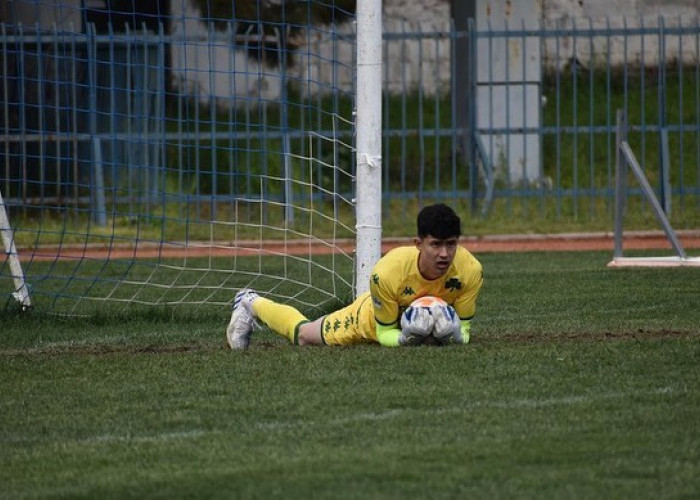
[[310, 333], [342, 327], [283, 319], [242, 320], [353, 324], [288, 322]]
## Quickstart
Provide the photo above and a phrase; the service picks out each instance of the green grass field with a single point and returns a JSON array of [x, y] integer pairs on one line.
[[580, 382]]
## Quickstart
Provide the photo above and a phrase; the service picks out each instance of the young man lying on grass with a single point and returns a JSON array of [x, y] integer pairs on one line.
[[435, 266]]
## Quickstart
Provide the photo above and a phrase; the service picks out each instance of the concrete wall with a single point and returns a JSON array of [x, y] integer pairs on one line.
[[410, 63], [408, 16], [615, 14], [64, 14]]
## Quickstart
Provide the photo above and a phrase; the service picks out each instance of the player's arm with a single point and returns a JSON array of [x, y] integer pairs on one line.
[[453, 324], [394, 329], [465, 326], [465, 305], [386, 310], [416, 324], [388, 335]]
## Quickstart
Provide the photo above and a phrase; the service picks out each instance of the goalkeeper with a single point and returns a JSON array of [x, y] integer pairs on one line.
[[436, 265]]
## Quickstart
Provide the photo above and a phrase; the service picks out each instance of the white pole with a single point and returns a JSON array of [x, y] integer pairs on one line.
[[369, 141], [21, 293]]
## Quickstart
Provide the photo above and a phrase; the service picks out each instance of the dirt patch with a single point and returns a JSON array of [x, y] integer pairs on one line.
[[536, 338], [110, 349], [99, 350]]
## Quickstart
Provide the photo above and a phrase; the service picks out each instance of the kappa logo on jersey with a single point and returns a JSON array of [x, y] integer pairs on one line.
[[408, 291], [453, 284], [377, 303], [375, 279]]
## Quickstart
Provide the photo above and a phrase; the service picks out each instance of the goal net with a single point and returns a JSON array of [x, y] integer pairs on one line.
[[177, 152]]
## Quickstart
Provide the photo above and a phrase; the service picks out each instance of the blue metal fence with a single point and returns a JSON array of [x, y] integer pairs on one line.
[[86, 120], [560, 86], [81, 113]]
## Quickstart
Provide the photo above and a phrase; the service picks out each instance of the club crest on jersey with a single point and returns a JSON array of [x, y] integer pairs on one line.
[[453, 284], [377, 303]]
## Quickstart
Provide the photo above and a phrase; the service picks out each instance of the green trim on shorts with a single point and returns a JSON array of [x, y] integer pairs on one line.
[[323, 330], [296, 332]]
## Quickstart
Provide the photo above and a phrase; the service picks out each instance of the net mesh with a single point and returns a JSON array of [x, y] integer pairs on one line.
[[174, 153]]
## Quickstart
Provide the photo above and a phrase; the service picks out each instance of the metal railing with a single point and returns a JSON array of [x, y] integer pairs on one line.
[[74, 106]]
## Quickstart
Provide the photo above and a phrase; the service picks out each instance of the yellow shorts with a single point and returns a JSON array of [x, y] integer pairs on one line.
[[353, 324]]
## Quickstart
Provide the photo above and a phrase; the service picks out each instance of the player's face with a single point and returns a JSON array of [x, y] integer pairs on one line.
[[436, 255]]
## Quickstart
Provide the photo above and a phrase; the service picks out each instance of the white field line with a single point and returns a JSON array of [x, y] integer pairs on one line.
[[362, 417], [503, 404], [155, 438]]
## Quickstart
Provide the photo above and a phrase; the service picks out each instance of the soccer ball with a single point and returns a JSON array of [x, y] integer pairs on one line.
[[434, 315], [428, 301], [418, 317]]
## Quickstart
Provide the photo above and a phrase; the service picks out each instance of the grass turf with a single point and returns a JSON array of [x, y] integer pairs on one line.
[[581, 381]]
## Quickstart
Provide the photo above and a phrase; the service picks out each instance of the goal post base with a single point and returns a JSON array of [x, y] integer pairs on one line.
[[672, 261]]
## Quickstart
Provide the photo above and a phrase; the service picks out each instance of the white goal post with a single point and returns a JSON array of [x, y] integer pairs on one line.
[[21, 291], [368, 122], [625, 158]]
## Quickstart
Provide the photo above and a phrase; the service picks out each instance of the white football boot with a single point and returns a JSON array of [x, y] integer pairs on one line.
[[242, 320]]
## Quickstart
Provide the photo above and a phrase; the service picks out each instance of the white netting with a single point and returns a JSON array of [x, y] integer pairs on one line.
[[156, 159]]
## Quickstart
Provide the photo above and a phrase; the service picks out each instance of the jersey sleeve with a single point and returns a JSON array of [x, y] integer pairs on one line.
[[383, 293], [386, 312], [465, 305]]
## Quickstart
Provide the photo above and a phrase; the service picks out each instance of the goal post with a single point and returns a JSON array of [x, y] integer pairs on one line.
[[369, 140], [626, 159], [21, 290]]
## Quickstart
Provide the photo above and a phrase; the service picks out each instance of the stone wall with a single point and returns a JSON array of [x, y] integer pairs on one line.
[[415, 57], [643, 50], [412, 60]]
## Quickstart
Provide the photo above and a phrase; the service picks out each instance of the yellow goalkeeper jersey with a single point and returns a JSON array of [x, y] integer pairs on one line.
[[396, 282]]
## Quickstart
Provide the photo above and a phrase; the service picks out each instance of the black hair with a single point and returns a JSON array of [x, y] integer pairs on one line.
[[438, 221]]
